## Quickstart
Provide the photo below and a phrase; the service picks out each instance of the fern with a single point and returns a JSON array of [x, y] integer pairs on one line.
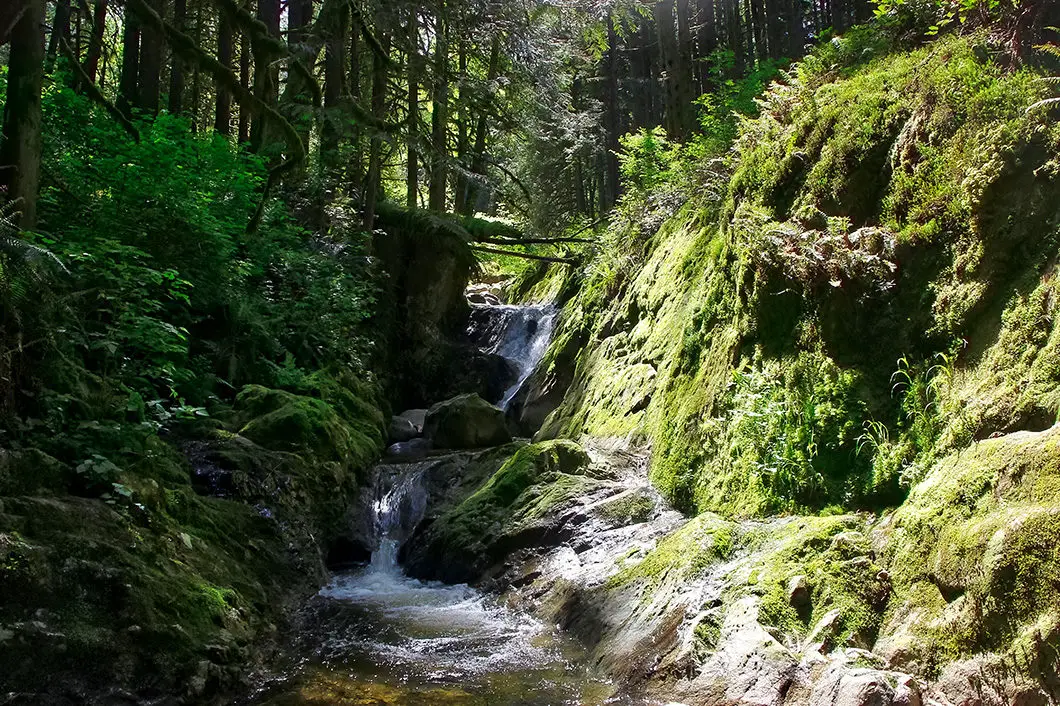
[[23, 265], [1052, 50]]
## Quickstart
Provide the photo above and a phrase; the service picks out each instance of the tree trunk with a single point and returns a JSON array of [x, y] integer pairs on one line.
[[674, 75], [355, 170], [412, 174], [244, 80], [176, 69], [334, 91], [612, 118], [150, 64], [478, 152], [60, 30], [20, 145], [460, 184], [706, 43], [297, 100], [375, 151], [95, 42], [222, 122], [440, 115], [266, 76], [130, 63]]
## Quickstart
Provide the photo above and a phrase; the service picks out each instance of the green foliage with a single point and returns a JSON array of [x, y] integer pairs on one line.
[[933, 16], [792, 428], [163, 302]]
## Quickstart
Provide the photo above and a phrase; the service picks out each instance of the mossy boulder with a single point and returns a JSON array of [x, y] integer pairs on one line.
[[975, 556], [466, 422], [32, 471], [510, 511], [283, 421]]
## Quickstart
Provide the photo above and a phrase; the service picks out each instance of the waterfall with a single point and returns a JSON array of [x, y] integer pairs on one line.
[[521, 334], [397, 506]]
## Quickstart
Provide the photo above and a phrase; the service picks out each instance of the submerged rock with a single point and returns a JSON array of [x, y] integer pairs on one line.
[[466, 422]]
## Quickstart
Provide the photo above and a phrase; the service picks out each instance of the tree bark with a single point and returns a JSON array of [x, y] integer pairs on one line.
[[176, 69], [334, 91], [611, 107], [60, 30], [150, 64], [243, 134], [95, 42], [478, 152], [20, 145], [355, 171], [675, 76], [222, 123], [412, 173], [130, 63], [266, 76], [375, 150], [440, 115]]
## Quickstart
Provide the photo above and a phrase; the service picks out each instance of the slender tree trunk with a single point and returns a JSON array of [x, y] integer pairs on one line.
[[461, 185], [176, 69], [95, 42], [334, 91], [412, 176], [356, 164], [150, 64], [675, 76], [706, 43], [297, 103], [244, 80], [375, 151], [130, 63], [611, 107], [20, 144], [440, 115], [478, 153], [266, 76], [222, 123], [60, 30]]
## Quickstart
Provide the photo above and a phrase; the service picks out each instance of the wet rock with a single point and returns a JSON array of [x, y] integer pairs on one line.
[[907, 692], [799, 596], [466, 422], [410, 449], [824, 633], [841, 686], [415, 417], [401, 429]]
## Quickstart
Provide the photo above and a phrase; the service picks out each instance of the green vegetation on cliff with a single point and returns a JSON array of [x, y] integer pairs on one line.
[[818, 330]]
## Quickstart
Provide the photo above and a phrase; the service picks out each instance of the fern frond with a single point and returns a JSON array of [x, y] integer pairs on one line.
[[1044, 104]]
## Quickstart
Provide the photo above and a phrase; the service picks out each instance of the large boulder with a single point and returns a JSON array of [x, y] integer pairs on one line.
[[466, 422]]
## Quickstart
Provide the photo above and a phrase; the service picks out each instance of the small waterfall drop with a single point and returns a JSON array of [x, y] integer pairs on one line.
[[397, 506], [520, 334]]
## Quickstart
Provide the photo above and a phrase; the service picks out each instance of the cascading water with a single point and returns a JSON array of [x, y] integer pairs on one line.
[[521, 334], [385, 638]]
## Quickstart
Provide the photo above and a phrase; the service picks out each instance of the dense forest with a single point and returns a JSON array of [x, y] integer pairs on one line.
[[524, 352]]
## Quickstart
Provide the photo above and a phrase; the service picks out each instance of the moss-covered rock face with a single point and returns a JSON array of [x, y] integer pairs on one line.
[[465, 422], [137, 582], [502, 515], [851, 309], [975, 557], [845, 329]]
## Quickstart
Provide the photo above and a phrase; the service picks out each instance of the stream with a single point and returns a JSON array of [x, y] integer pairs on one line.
[[381, 637]]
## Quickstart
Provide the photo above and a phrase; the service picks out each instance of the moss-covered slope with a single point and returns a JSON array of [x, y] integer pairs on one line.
[[871, 291], [862, 320]]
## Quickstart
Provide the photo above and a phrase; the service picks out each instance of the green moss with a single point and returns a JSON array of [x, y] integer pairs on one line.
[[982, 529], [466, 539], [683, 555], [835, 558]]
